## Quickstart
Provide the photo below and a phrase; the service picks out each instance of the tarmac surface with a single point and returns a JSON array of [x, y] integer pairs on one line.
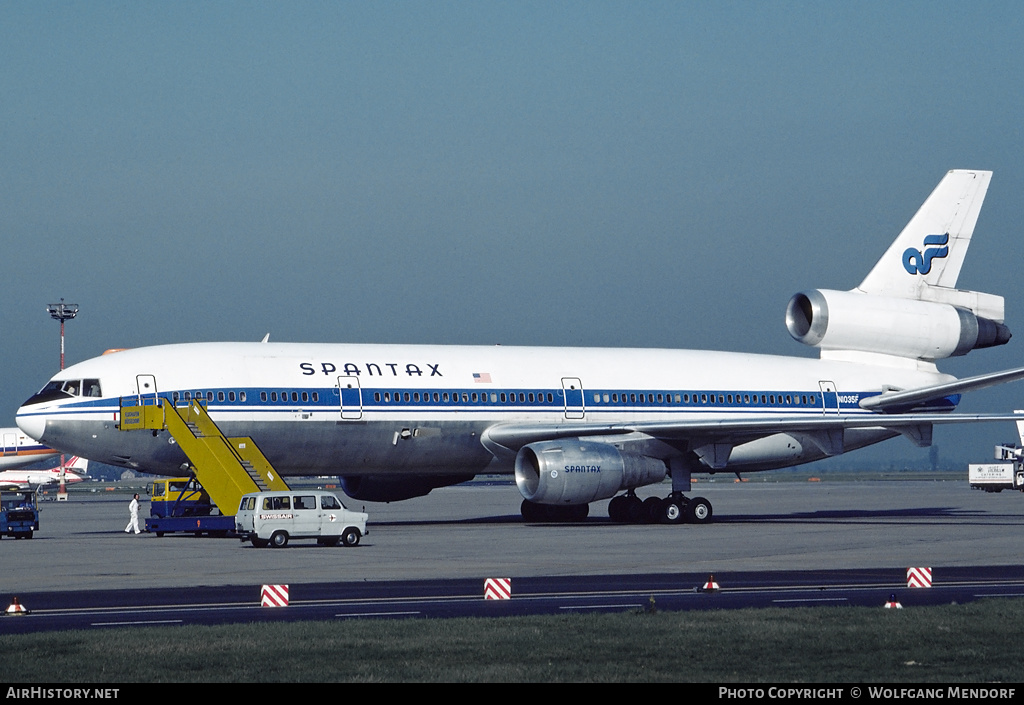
[[475, 531]]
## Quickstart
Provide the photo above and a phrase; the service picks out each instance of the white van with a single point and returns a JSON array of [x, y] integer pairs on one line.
[[273, 518]]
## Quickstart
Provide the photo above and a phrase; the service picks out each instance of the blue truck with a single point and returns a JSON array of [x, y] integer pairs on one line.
[[19, 514]]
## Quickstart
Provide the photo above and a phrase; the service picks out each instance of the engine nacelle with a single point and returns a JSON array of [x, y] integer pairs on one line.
[[391, 488], [923, 330], [574, 471]]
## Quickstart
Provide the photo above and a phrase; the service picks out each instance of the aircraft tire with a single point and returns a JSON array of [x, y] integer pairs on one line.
[[632, 509], [698, 511], [673, 511], [617, 509], [578, 512], [651, 511], [532, 511]]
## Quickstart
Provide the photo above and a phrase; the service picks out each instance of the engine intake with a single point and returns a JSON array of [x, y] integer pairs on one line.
[[924, 330], [573, 471]]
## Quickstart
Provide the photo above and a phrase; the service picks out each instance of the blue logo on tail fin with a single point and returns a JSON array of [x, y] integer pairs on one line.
[[917, 263]]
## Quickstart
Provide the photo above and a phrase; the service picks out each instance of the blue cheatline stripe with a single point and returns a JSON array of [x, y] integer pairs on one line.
[[469, 400]]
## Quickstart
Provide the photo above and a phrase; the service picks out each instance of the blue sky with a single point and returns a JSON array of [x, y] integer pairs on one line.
[[599, 173]]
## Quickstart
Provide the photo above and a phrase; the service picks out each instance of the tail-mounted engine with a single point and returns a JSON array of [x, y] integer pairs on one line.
[[923, 330], [573, 471]]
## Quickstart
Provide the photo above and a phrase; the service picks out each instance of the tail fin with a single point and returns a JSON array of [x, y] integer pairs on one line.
[[931, 249], [78, 464]]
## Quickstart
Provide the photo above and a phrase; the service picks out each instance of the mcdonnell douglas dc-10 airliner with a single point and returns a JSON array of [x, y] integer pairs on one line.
[[575, 425]]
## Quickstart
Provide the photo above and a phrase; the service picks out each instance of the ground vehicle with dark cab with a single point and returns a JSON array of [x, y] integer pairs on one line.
[[19, 515], [180, 504]]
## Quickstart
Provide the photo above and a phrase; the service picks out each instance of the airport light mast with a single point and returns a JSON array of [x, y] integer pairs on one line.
[[62, 312]]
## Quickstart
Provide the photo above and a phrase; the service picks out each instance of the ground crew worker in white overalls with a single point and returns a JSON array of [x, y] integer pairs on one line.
[[133, 511]]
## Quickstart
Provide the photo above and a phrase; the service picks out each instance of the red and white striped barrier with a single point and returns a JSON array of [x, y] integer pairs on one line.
[[274, 596], [919, 577], [498, 589]]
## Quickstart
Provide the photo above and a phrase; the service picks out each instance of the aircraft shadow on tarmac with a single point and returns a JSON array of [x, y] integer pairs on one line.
[[950, 515]]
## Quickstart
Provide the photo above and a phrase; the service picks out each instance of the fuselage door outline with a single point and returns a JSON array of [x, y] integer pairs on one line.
[[572, 388], [146, 388], [829, 397], [351, 397], [10, 444]]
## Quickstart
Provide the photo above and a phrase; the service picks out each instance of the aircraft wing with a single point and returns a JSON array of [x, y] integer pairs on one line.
[[826, 427], [740, 430]]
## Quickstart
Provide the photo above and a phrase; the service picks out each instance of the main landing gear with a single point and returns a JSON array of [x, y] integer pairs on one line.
[[674, 509], [628, 509]]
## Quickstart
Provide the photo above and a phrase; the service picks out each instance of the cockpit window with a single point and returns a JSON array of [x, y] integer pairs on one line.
[[51, 386], [61, 389], [74, 387]]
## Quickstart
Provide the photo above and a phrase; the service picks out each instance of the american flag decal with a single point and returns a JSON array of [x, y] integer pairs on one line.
[[481, 376]]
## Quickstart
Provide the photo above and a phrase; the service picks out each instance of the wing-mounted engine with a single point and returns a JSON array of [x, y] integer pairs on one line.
[[952, 323], [574, 471]]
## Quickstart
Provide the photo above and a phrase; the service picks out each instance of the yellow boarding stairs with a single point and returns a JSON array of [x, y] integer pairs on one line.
[[227, 468]]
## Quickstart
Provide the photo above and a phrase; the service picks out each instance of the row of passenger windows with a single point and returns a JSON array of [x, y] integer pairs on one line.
[[706, 398], [230, 396], [285, 502], [521, 397], [600, 398], [465, 397], [208, 396]]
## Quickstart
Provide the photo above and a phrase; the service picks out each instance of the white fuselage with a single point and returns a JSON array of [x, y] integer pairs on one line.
[[17, 449], [38, 478], [319, 409]]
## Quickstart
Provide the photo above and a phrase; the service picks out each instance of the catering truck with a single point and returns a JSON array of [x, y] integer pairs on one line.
[[996, 477]]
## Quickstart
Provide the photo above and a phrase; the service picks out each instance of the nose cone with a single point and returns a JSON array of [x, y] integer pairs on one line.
[[33, 425]]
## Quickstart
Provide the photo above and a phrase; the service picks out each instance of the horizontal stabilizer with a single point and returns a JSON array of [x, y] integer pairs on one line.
[[910, 397]]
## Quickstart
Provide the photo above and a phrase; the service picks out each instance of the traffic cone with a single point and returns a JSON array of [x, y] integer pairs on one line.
[[16, 608], [893, 603], [710, 585]]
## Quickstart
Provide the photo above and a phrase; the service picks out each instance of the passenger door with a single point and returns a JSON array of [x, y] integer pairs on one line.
[[307, 515], [829, 398], [572, 388], [331, 515], [351, 397]]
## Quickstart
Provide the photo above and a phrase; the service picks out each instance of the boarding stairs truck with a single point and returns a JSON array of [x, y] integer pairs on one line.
[[181, 505]]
